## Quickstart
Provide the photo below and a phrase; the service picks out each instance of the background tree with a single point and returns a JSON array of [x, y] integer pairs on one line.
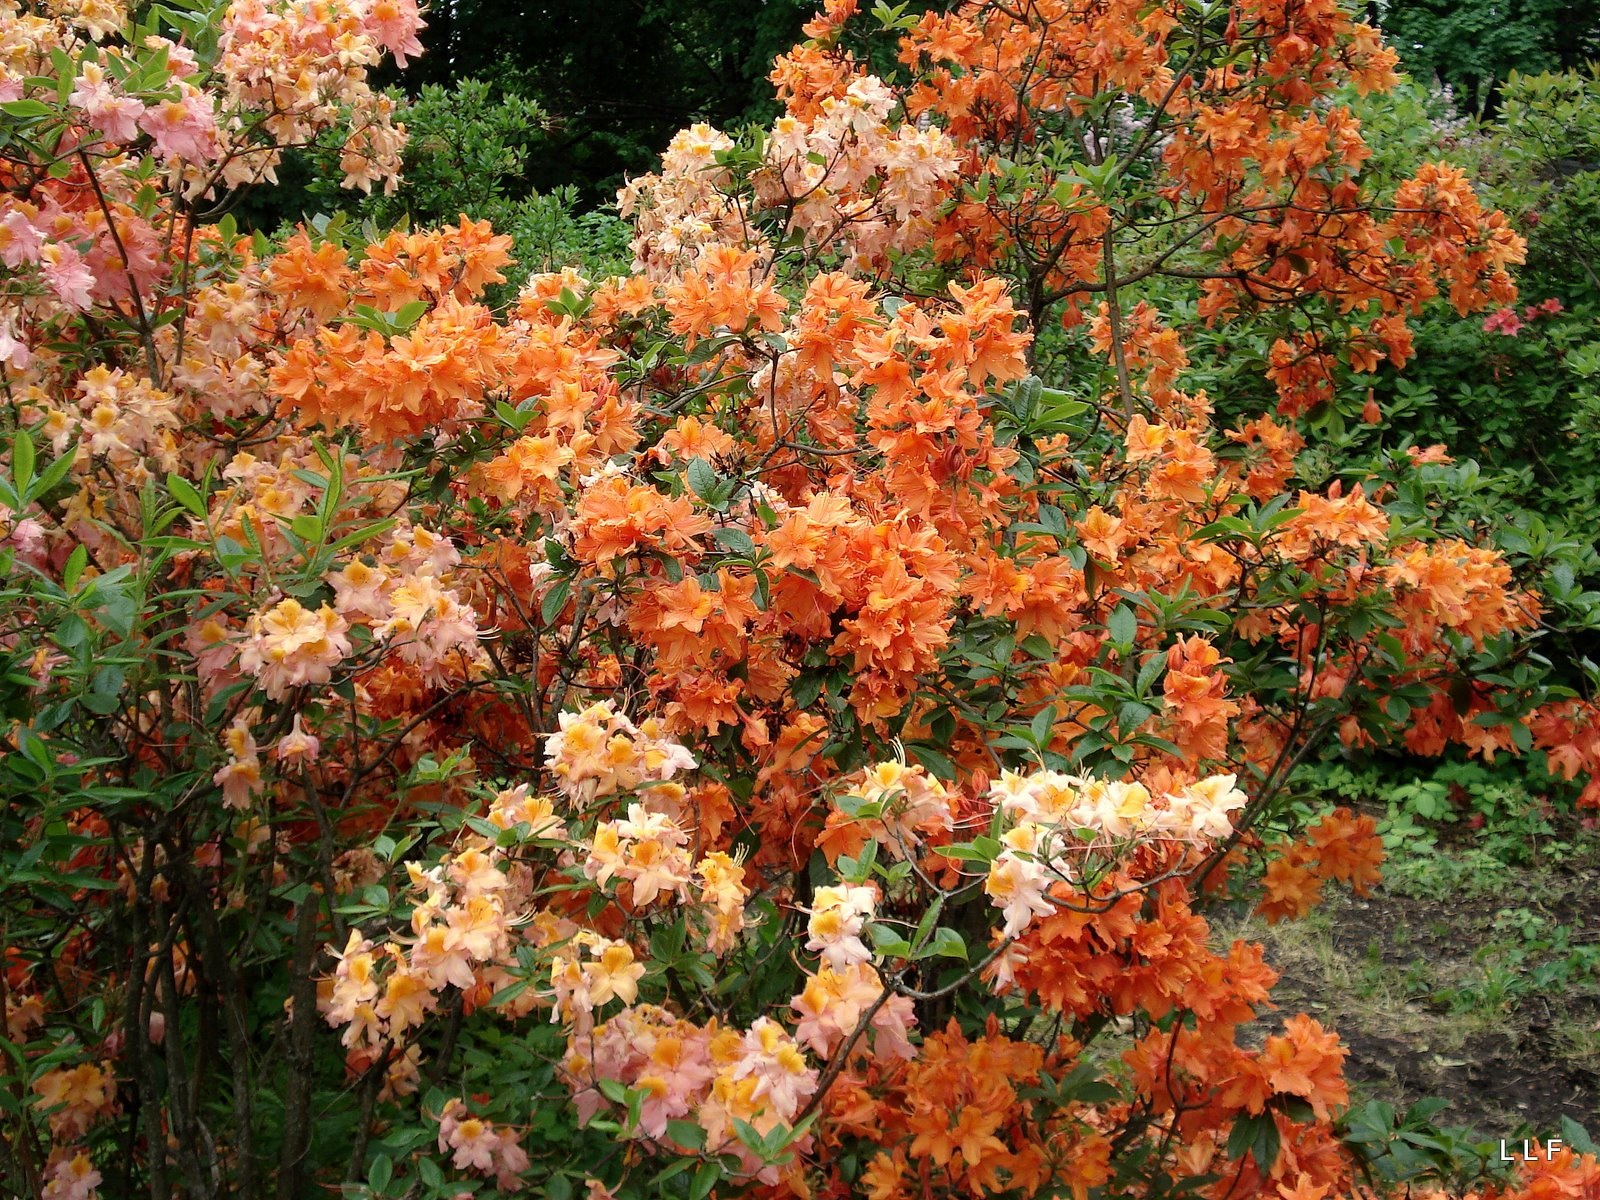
[[1473, 47]]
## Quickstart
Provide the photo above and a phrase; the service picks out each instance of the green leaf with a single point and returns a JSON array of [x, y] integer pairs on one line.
[[1265, 1147], [1576, 1136], [947, 943], [73, 570], [26, 109], [888, 943], [22, 464], [687, 1133], [1123, 625], [1257, 1135], [381, 1173], [934, 762], [964, 852], [72, 632], [100, 703], [671, 1171], [736, 540], [1043, 725], [430, 1173], [186, 494], [52, 475], [705, 1178], [555, 600], [408, 315], [703, 480]]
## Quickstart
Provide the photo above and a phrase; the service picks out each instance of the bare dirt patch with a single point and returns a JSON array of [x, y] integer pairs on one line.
[[1490, 1000]]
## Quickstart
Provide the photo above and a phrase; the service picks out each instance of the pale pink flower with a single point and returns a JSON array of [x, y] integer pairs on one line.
[[474, 1140], [20, 241], [1017, 884], [183, 129], [395, 24], [510, 1162], [1504, 321], [12, 351], [289, 645], [838, 915], [778, 1065], [831, 1006], [240, 779], [67, 274], [115, 117], [298, 746], [72, 1179]]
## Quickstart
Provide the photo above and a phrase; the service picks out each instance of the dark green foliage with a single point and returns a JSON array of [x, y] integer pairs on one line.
[[472, 150], [618, 77], [1520, 393], [1473, 45]]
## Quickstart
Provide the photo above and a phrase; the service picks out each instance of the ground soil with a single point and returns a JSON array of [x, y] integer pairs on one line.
[[1409, 984]]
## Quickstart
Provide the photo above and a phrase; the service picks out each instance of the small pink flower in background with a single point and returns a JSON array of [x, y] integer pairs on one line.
[[1503, 321], [181, 62], [474, 1143], [12, 350], [1532, 312], [299, 746], [72, 1179], [27, 538], [479, 1146], [394, 24]]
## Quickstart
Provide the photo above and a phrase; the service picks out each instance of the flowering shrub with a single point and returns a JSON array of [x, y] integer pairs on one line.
[[730, 728]]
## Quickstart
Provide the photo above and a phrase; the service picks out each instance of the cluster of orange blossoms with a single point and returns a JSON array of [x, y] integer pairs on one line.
[[712, 604]]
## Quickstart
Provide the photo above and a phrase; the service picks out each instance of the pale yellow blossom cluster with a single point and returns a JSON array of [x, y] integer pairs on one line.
[[851, 179], [289, 645], [833, 1002], [857, 181], [645, 850], [240, 777], [838, 917], [471, 912], [117, 417], [686, 206], [407, 599], [302, 65], [588, 972], [896, 806], [599, 752], [1059, 819]]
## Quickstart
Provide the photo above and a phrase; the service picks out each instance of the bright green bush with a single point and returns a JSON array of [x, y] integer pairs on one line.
[[470, 151]]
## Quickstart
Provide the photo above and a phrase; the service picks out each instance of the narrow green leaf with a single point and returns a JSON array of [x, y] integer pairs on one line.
[[186, 494], [22, 464]]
